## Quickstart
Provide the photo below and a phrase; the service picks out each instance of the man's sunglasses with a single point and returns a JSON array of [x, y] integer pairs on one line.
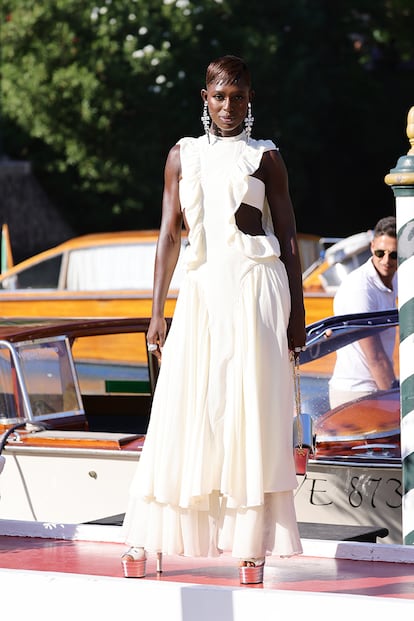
[[380, 253]]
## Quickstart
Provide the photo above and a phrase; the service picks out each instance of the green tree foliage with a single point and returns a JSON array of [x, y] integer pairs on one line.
[[90, 85], [95, 93]]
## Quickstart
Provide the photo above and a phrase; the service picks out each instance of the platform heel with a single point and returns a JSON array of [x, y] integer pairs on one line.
[[251, 571], [134, 563]]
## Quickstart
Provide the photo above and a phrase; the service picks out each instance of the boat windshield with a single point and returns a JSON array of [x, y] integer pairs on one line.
[[37, 381], [333, 276]]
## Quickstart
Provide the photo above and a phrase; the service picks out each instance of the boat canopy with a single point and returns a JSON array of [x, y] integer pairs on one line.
[[126, 266]]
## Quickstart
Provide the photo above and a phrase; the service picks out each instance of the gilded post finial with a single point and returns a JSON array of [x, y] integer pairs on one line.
[[401, 178], [410, 130]]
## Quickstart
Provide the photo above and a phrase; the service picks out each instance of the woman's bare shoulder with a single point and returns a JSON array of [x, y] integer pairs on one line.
[[272, 157], [272, 167], [173, 158]]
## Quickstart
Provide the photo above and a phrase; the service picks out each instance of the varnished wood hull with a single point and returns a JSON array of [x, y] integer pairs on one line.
[[317, 307], [27, 305], [116, 304], [113, 304]]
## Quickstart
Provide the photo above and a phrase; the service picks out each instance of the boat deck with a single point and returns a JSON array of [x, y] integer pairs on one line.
[[300, 573], [198, 589]]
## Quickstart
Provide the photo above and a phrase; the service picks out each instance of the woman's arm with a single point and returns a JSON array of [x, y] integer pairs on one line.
[[274, 174], [168, 246]]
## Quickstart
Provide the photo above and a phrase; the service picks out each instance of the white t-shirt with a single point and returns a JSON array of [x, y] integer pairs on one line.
[[362, 291]]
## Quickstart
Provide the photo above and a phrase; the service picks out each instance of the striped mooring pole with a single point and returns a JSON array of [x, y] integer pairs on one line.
[[401, 180]]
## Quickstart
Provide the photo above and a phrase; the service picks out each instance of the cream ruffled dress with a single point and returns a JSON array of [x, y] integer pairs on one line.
[[217, 470]]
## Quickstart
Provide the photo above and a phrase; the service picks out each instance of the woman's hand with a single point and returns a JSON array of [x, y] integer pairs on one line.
[[156, 335], [296, 334]]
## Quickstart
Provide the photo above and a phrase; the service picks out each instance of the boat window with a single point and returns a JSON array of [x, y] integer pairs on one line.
[[42, 275], [315, 376], [128, 266], [360, 425], [49, 378], [334, 275], [115, 381], [112, 364], [318, 370]]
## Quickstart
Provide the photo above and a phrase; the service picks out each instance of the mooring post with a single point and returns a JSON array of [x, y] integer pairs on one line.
[[401, 180]]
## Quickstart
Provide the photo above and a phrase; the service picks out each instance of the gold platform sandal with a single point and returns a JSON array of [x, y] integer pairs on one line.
[[134, 563], [251, 570]]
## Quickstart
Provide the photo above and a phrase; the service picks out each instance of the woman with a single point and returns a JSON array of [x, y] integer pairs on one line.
[[217, 470]]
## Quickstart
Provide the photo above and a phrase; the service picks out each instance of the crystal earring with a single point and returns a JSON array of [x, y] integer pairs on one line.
[[248, 121], [205, 119]]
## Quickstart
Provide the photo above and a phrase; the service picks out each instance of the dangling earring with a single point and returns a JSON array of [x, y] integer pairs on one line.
[[205, 119], [248, 121]]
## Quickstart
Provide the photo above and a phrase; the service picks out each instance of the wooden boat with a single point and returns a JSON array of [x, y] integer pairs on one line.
[[96, 275], [355, 470], [111, 275], [73, 428]]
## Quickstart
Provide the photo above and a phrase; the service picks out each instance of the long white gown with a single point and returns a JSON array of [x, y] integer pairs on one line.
[[217, 470]]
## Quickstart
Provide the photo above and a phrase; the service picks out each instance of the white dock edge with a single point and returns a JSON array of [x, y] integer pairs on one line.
[[69, 596], [352, 550]]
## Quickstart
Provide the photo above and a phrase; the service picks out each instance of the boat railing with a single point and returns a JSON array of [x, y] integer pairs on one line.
[[20, 394]]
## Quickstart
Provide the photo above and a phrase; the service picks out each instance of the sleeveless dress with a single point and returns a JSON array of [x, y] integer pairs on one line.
[[217, 471]]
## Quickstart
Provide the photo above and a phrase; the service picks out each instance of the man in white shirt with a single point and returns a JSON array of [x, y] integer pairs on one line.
[[366, 365]]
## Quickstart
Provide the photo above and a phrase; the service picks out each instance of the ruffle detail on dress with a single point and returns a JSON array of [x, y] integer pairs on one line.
[[253, 246], [191, 199], [247, 164]]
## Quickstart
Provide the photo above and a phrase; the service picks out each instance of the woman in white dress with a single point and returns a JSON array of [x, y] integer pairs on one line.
[[217, 470]]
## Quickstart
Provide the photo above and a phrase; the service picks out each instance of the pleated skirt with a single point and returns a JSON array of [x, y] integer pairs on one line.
[[217, 471]]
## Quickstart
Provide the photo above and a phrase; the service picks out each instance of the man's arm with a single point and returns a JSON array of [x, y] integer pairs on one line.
[[379, 364]]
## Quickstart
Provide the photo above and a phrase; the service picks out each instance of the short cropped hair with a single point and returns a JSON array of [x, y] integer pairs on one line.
[[386, 226], [228, 70]]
